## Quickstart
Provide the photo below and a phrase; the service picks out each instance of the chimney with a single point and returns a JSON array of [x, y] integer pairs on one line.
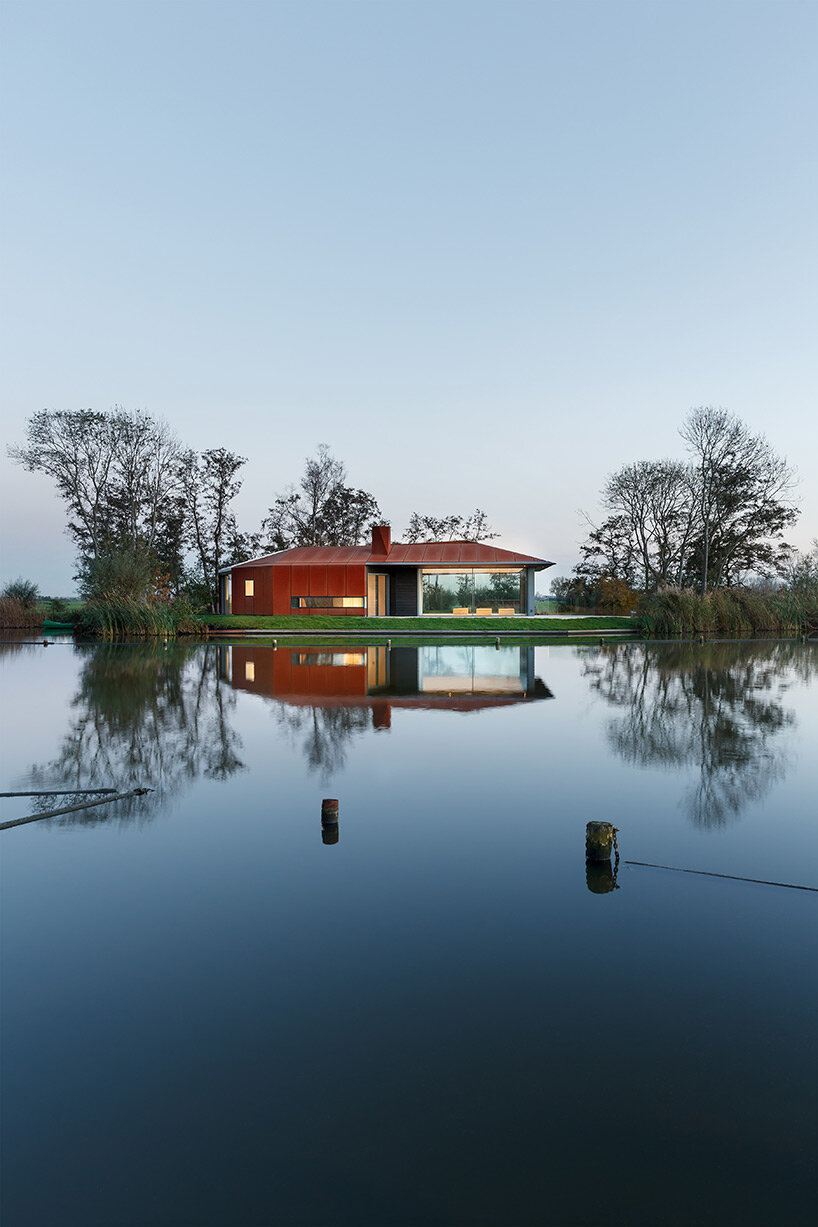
[[381, 539]]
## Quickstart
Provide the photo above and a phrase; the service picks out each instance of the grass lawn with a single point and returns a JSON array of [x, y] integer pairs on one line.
[[426, 625]]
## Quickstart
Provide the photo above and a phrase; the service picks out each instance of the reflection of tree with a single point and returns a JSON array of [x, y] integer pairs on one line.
[[324, 732], [716, 707], [465, 589], [504, 587], [144, 716]]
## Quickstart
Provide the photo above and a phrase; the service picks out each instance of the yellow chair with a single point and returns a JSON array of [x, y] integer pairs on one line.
[[460, 611], [483, 613], [505, 612]]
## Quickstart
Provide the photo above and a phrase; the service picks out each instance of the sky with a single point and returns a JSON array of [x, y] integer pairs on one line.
[[488, 252]]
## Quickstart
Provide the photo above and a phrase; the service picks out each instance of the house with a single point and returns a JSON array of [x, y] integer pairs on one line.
[[383, 579], [456, 677]]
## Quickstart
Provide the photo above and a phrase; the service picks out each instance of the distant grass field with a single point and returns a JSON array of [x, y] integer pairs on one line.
[[70, 604], [425, 625]]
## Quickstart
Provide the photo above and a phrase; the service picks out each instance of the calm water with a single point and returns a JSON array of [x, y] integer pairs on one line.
[[217, 1013]]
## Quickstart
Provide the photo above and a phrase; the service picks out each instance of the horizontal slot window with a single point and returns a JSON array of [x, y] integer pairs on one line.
[[328, 602]]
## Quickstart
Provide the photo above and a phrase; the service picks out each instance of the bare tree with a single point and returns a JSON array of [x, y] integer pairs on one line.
[[76, 449], [117, 473], [145, 478], [609, 552], [711, 521], [322, 510], [210, 482], [474, 527], [652, 506], [742, 496]]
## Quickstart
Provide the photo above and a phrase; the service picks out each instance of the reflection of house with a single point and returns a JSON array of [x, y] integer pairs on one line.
[[458, 677], [383, 579]]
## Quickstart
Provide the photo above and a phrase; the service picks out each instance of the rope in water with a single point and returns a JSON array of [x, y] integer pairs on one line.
[[707, 873], [60, 792], [70, 809]]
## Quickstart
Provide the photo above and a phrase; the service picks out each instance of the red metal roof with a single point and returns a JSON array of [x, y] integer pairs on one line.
[[418, 554]]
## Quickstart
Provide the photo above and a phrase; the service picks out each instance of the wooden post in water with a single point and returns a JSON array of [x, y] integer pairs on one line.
[[329, 810], [599, 841], [329, 820]]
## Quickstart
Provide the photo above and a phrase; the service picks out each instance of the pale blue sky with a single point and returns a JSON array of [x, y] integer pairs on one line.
[[487, 251]]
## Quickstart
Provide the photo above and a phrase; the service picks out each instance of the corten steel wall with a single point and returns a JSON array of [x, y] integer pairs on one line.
[[279, 675], [262, 595], [275, 586]]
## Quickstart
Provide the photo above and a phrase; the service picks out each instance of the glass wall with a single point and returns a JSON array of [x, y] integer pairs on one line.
[[472, 589]]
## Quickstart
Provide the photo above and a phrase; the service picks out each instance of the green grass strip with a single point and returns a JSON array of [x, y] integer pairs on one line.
[[425, 625]]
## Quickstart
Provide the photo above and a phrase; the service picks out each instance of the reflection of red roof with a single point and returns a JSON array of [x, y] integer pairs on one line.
[[419, 554]]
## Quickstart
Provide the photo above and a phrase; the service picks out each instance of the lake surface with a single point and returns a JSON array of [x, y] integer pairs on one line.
[[218, 1012]]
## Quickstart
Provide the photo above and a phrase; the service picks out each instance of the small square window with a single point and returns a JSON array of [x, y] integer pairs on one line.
[[249, 671], [249, 587]]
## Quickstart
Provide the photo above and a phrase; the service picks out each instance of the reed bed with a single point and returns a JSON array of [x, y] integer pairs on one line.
[[16, 614], [730, 611], [114, 616]]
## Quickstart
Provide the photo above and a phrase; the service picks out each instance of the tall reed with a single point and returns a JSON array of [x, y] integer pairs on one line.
[[16, 614], [732, 611], [116, 616]]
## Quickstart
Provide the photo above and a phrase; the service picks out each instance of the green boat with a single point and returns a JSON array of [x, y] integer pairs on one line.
[[57, 626]]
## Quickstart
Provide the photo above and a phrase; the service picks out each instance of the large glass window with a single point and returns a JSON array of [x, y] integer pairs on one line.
[[469, 590]]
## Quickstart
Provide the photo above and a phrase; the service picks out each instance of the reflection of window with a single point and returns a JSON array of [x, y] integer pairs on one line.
[[472, 670], [329, 658], [249, 587], [249, 671], [327, 602]]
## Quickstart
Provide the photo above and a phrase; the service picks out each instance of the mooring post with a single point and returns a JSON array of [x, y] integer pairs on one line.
[[329, 820], [329, 810], [599, 838]]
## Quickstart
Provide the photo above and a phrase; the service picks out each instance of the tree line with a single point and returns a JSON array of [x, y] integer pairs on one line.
[[152, 518], [713, 519]]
